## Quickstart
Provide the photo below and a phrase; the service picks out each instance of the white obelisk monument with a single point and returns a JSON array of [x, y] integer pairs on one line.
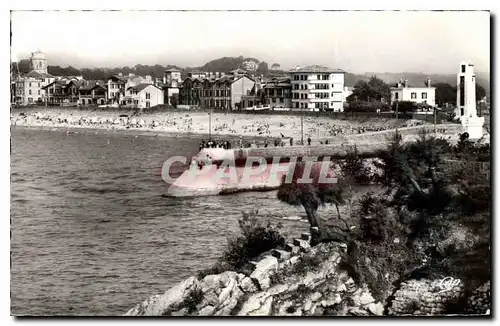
[[466, 102]]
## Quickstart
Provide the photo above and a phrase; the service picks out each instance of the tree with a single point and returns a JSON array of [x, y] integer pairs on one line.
[[445, 93], [480, 92], [262, 69], [311, 195], [373, 90]]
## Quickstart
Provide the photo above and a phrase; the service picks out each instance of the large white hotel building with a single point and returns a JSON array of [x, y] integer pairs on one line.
[[317, 88]]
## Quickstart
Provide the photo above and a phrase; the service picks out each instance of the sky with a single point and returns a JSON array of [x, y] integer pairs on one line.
[[358, 42]]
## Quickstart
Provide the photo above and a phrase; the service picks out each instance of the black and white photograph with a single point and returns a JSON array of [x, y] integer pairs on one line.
[[217, 163]]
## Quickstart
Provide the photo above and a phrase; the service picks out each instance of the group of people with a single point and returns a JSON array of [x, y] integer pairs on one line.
[[215, 144]]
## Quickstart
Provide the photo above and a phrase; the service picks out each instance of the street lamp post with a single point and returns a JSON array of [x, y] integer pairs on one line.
[[302, 127]]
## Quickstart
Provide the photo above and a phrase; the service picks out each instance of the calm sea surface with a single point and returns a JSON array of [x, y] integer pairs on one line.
[[93, 233]]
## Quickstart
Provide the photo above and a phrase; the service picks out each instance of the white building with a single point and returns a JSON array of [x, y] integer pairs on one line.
[[144, 96], [250, 65], [317, 88], [423, 95], [28, 88]]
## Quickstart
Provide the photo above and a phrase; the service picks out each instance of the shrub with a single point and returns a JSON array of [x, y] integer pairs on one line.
[[255, 239], [366, 106]]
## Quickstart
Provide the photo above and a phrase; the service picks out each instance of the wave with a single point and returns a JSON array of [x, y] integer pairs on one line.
[[101, 191]]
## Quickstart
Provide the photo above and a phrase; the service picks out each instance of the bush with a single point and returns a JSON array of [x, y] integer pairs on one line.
[[366, 106], [255, 239]]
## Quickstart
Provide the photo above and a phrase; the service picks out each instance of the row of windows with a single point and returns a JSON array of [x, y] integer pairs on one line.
[[413, 95], [320, 105], [117, 86], [318, 77], [29, 92], [302, 96], [321, 95]]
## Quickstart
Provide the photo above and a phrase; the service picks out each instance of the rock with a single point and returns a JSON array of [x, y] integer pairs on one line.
[[302, 244], [358, 312], [210, 282], [341, 288], [211, 297], [257, 305], [366, 298], [227, 290], [247, 285], [292, 249], [315, 296], [376, 308], [159, 304], [226, 309], [305, 236], [308, 305], [207, 311], [180, 313], [263, 270], [280, 254]]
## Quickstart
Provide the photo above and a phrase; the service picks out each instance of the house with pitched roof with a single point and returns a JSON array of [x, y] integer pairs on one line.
[[143, 96], [62, 92], [223, 92], [93, 92]]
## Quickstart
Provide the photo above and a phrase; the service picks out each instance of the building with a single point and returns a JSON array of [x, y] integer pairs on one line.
[[28, 88], [250, 65], [63, 92], [421, 95], [93, 92], [171, 84], [222, 92], [116, 89], [278, 92], [144, 96], [317, 88]]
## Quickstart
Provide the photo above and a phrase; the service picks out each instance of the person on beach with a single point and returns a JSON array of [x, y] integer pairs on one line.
[[309, 141], [291, 141]]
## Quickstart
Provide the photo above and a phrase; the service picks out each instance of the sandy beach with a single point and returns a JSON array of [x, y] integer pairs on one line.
[[175, 122]]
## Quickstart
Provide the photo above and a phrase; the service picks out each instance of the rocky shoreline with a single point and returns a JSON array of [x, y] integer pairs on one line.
[[301, 281]]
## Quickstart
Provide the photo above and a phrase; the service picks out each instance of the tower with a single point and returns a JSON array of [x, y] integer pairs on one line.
[[38, 62], [466, 102]]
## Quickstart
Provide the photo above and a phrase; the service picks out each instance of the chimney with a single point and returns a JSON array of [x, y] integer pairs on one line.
[[428, 82], [406, 82]]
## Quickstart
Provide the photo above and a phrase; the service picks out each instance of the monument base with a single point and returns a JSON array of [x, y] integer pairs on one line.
[[473, 126]]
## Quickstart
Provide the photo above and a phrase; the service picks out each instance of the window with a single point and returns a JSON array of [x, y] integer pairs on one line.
[[305, 77], [318, 77], [302, 86], [111, 94], [326, 77], [38, 84], [30, 99], [424, 95], [331, 103], [396, 96], [38, 92], [305, 86], [413, 95], [316, 105], [136, 102], [148, 104], [29, 84], [463, 68], [296, 105], [29, 92]]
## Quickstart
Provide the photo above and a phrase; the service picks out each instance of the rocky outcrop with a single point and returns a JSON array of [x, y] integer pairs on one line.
[[302, 281]]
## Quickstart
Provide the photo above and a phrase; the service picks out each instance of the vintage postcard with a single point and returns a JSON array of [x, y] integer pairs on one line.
[[250, 163]]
